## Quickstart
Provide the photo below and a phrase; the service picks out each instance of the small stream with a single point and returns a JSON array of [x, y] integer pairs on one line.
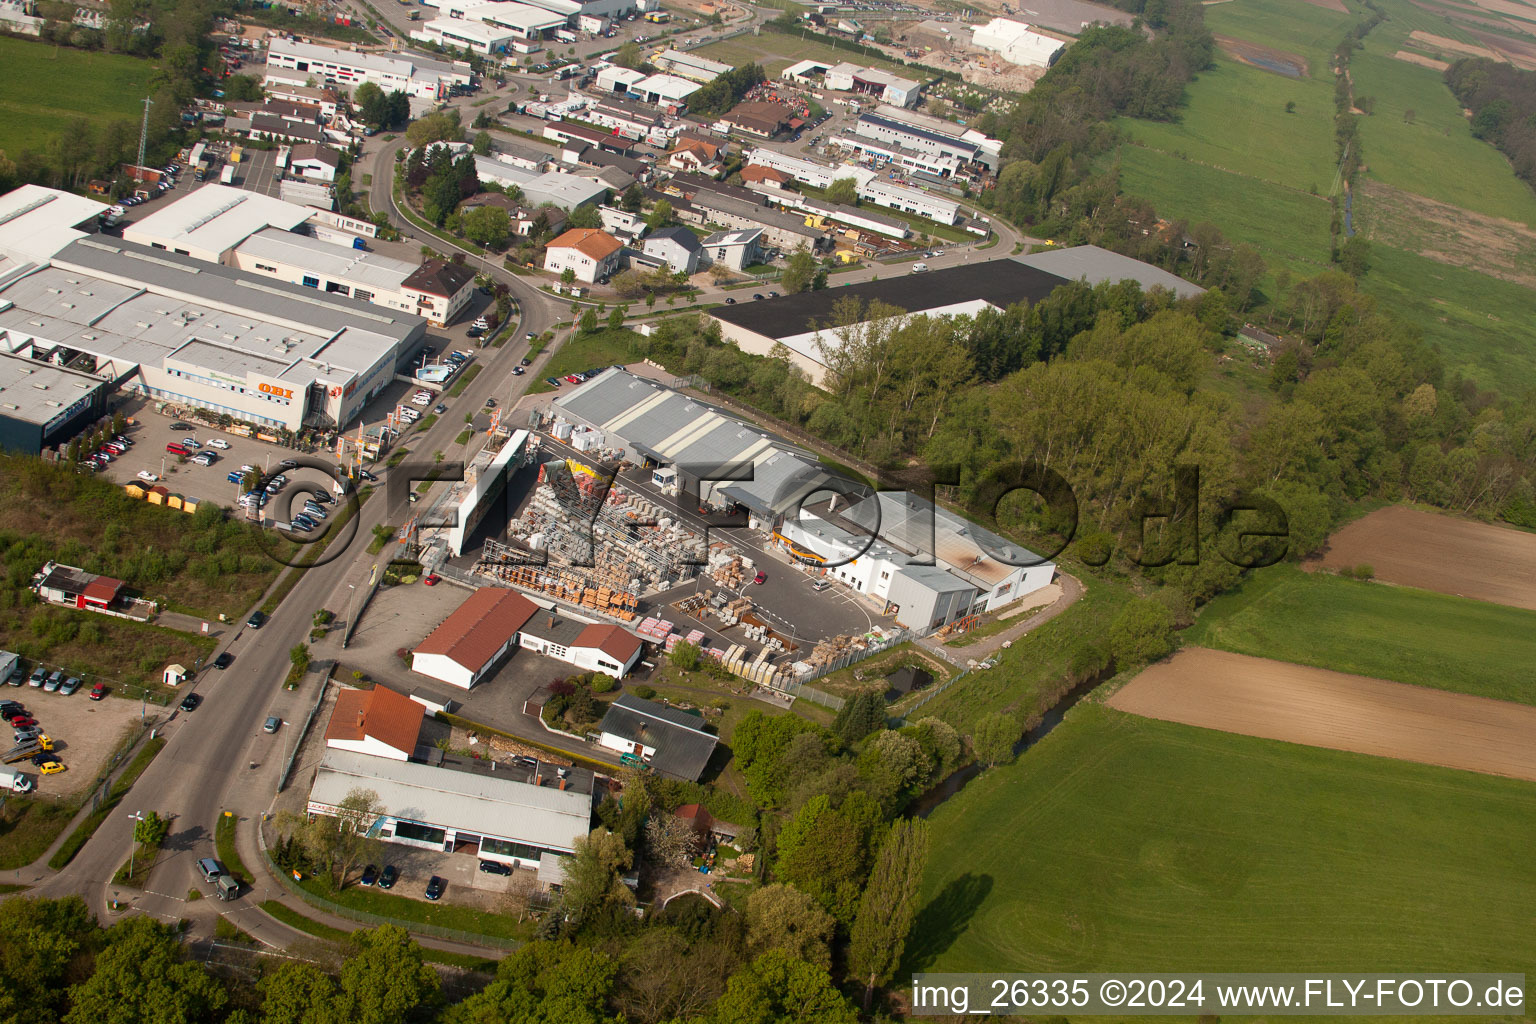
[[954, 783]]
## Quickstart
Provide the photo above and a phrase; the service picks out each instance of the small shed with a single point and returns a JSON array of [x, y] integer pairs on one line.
[[904, 680], [174, 675]]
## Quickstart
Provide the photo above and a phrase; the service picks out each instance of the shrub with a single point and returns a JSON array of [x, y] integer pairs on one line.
[[603, 684], [644, 692]]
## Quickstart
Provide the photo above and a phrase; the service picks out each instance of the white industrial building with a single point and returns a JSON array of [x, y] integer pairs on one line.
[[921, 133], [294, 63], [663, 90], [475, 36], [515, 814], [298, 259], [1016, 43], [264, 352], [567, 191], [926, 566], [871, 186], [470, 641], [690, 65], [209, 222], [884, 86]]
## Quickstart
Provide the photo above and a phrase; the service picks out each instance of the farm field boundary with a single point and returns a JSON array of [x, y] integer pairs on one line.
[[1123, 840], [1440, 553], [1315, 707]]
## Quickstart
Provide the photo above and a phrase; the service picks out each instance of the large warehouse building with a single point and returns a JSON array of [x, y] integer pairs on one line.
[[167, 325], [798, 321], [291, 63], [925, 566]]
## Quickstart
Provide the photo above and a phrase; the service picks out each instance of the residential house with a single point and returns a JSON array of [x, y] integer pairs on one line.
[[440, 290], [677, 246], [591, 254]]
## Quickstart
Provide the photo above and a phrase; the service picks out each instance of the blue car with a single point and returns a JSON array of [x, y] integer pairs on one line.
[[235, 477]]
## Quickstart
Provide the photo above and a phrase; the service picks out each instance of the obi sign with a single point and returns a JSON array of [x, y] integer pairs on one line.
[[274, 391]]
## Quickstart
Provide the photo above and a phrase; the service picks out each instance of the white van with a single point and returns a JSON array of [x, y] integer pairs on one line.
[[918, 268]]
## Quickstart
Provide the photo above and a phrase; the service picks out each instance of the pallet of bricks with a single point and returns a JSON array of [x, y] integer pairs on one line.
[[829, 651], [725, 568], [655, 629], [731, 614]]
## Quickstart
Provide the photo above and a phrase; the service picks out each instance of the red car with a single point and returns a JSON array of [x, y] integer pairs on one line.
[[22, 721], [98, 691], [760, 578], [572, 379], [431, 580]]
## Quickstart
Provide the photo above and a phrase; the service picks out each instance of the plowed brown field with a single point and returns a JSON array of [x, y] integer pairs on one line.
[[1318, 708], [1440, 553]]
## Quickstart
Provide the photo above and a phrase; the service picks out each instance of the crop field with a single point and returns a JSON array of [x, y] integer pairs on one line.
[[1319, 708], [1442, 553], [1256, 136], [43, 86], [1371, 629], [1120, 840]]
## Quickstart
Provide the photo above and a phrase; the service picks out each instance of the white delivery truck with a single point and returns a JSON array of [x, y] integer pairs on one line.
[[14, 782], [227, 175]]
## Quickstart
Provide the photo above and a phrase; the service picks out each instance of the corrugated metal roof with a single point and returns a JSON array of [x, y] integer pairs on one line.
[[1094, 264], [483, 804]]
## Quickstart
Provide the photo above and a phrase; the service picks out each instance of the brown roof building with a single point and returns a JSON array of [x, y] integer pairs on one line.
[[757, 174], [761, 118], [440, 290], [379, 721], [470, 641]]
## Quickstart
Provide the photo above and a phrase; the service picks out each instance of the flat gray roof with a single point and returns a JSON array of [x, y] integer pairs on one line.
[[37, 392], [481, 803], [1096, 265], [215, 217], [338, 262]]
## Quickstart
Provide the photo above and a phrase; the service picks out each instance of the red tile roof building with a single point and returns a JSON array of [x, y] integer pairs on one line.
[[468, 643], [377, 721]]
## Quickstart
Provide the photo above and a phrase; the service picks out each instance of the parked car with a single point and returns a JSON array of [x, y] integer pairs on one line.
[[435, 887], [518, 371], [23, 721], [571, 378], [729, 301], [223, 661], [38, 678], [760, 578], [272, 724], [256, 620], [145, 474], [525, 361], [192, 443], [55, 681], [440, 408], [288, 464], [495, 867], [190, 702], [370, 875], [178, 425], [431, 579], [219, 442], [51, 767], [475, 332], [98, 691], [70, 685], [387, 877], [918, 268], [553, 380]]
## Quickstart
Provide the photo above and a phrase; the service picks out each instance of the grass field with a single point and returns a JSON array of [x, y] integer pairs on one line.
[[1372, 629], [1031, 674], [1435, 155], [1300, 28], [587, 352], [43, 87], [1483, 325], [1121, 841], [1288, 226], [1249, 105], [776, 51]]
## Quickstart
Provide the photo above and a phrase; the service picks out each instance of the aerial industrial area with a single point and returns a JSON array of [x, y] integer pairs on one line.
[[692, 512]]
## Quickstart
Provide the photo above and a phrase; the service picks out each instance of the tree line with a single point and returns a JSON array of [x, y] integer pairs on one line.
[[1502, 99]]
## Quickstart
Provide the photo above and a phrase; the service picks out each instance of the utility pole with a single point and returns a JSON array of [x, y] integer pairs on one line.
[[144, 130]]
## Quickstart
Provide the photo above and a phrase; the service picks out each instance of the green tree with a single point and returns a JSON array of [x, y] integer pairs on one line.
[[845, 191], [782, 917], [661, 215], [242, 88], [993, 738], [141, 978], [297, 992], [491, 226], [151, 830], [543, 983], [588, 322], [633, 199], [628, 55], [684, 656], [778, 989], [890, 900], [383, 979], [616, 319], [585, 216], [801, 273], [824, 851], [567, 276], [592, 879], [41, 945], [859, 716], [438, 126], [482, 143], [1141, 633]]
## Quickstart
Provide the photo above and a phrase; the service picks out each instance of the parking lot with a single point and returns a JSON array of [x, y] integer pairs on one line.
[[84, 733]]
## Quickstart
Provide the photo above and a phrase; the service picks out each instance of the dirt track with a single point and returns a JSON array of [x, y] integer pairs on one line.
[[1440, 553], [1318, 708]]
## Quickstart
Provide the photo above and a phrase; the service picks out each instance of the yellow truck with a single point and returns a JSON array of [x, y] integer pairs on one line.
[[235, 155]]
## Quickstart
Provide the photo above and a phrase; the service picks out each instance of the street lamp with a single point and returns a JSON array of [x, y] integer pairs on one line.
[[135, 847], [351, 610]]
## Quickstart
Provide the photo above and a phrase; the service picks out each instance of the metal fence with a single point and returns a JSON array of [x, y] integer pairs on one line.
[[102, 787], [907, 715]]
